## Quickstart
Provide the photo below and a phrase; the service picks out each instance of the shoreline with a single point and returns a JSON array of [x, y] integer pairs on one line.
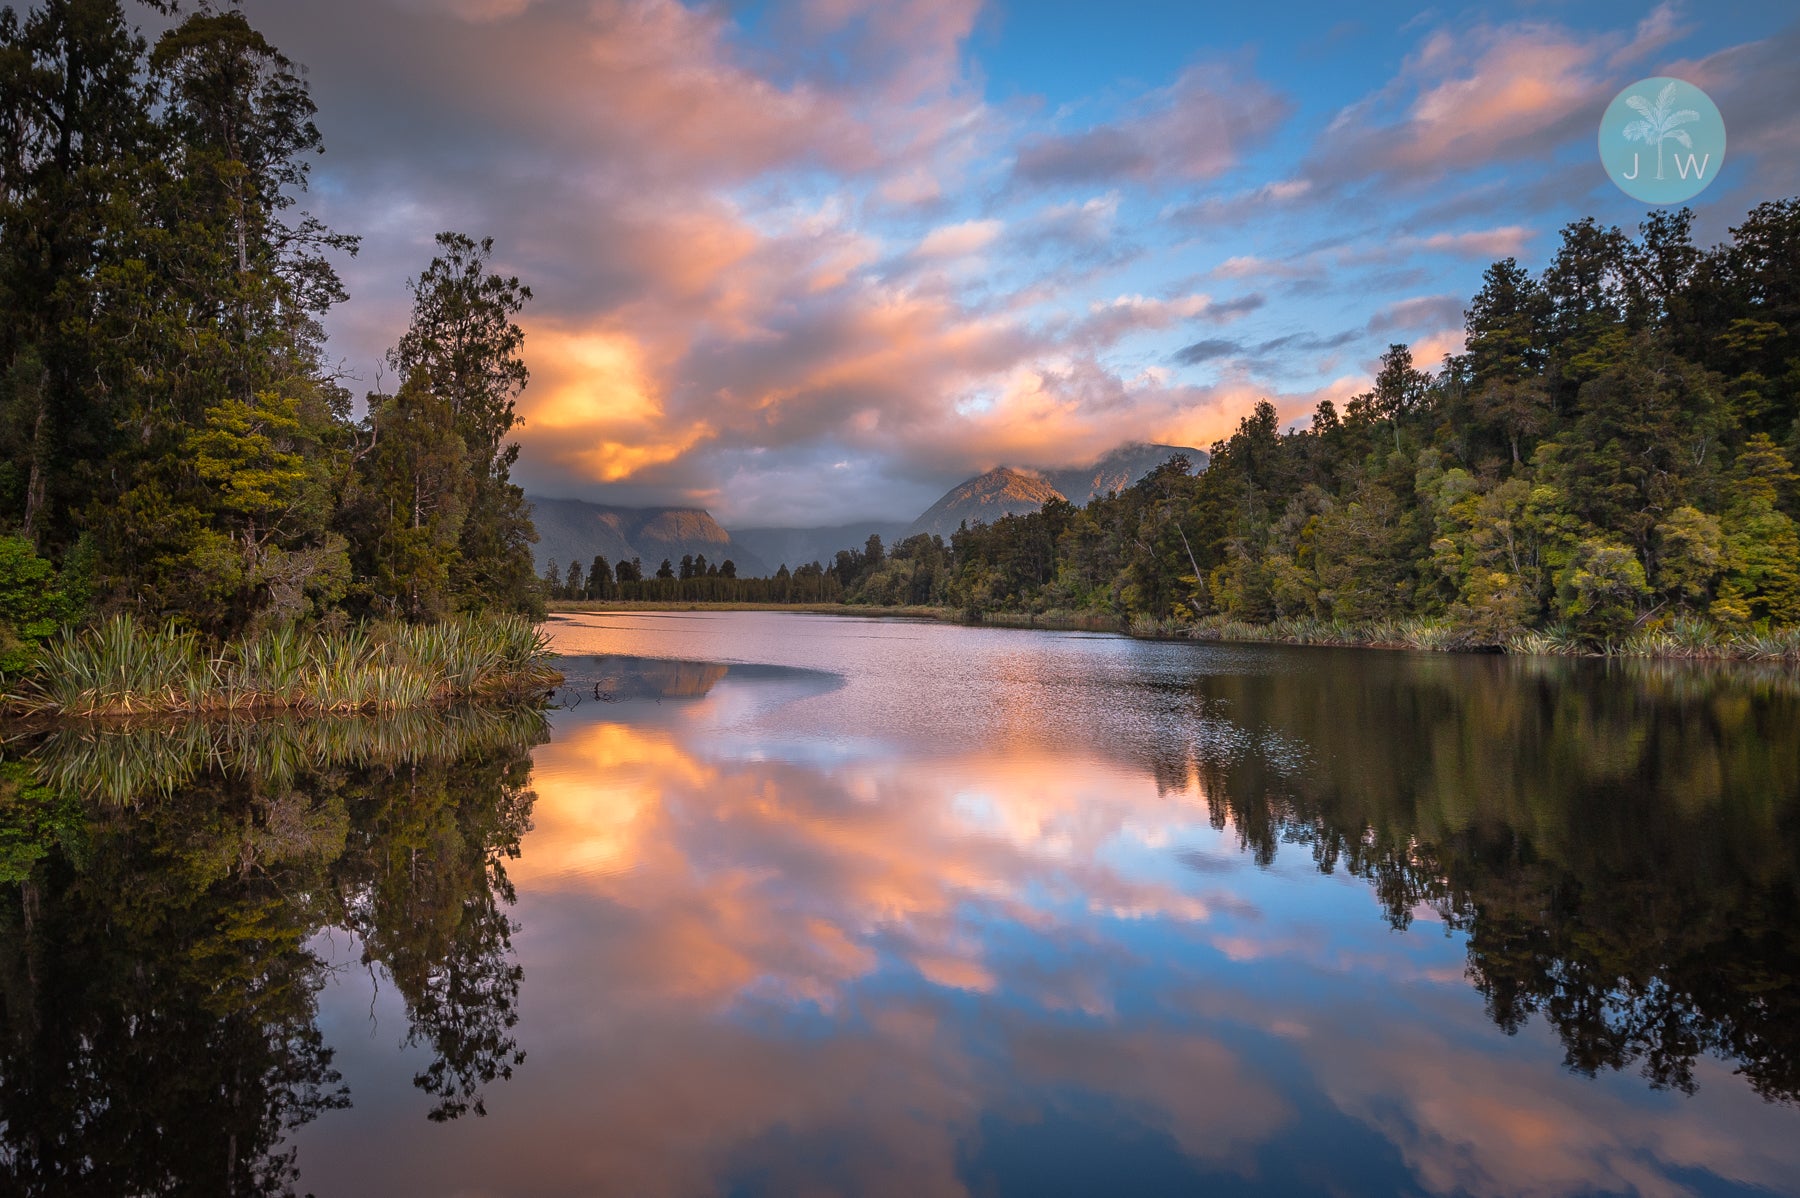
[[1416, 635]]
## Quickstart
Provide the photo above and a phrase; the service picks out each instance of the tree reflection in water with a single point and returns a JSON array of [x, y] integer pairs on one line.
[[157, 989], [1619, 842]]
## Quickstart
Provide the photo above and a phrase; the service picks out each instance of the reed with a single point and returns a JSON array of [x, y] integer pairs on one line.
[[123, 667], [1782, 644], [1679, 637], [126, 761]]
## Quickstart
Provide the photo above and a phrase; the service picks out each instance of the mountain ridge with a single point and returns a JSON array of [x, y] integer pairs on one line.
[[1002, 491], [1013, 490], [577, 530]]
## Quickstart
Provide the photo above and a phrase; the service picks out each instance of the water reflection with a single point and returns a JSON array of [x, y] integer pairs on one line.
[[1620, 845], [913, 910], [159, 976]]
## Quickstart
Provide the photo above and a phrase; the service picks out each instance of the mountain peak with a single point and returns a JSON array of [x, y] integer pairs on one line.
[[1002, 491], [1013, 490]]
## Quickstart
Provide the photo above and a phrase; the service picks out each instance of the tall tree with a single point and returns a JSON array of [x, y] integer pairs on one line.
[[465, 344], [75, 136]]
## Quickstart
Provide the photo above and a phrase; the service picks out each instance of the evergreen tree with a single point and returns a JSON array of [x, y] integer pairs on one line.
[[599, 579]]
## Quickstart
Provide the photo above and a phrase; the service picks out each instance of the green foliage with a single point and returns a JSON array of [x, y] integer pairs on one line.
[[34, 820], [32, 606], [1602, 589]]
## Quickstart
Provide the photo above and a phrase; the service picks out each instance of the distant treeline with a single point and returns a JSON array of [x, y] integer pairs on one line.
[[174, 442], [693, 580], [1613, 452]]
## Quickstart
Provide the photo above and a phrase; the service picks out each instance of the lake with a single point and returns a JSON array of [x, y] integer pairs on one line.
[[773, 904]]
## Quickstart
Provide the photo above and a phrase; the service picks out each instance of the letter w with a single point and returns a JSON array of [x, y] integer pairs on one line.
[[1682, 168]]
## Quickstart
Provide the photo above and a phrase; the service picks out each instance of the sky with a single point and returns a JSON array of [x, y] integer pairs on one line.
[[804, 262]]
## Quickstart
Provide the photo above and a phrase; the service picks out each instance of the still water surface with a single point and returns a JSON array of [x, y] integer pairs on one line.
[[787, 905]]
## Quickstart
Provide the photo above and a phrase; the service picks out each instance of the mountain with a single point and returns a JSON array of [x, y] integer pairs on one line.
[[1002, 491], [576, 530], [1117, 470], [794, 547], [1005, 491]]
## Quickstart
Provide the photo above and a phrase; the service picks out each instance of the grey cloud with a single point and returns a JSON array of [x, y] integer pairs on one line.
[[1238, 306], [1309, 341], [1105, 153], [1208, 349], [1432, 312]]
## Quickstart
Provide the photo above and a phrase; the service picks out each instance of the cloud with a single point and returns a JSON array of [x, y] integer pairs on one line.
[[1207, 349], [1493, 244], [960, 240], [1418, 311], [1108, 321], [1269, 356], [1757, 91], [1197, 128], [1487, 94], [1334, 260], [1240, 206], [468, 10]]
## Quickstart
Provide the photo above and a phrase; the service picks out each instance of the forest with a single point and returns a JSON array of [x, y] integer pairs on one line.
[[1611, 460], [176, 447]]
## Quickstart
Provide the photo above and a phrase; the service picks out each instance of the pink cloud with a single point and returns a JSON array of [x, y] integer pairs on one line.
[[959, 240], [1482, 95]]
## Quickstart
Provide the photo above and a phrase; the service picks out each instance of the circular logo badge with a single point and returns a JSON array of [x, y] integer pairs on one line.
[[1662, 140]]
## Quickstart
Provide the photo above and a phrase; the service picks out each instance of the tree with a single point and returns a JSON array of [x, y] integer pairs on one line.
[[599, 579], [1400, 390], [666, 570], [1762, 547], [1505, 398], [1603, 589], [266, 553], [465, 345], [32, 604], [1690, 553], [408, 502]]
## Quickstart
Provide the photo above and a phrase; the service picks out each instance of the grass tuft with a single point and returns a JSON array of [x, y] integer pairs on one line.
[[123, 667]]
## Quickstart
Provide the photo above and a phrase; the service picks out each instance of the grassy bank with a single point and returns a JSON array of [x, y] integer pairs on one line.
[[1680, 638], [124, 667]]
